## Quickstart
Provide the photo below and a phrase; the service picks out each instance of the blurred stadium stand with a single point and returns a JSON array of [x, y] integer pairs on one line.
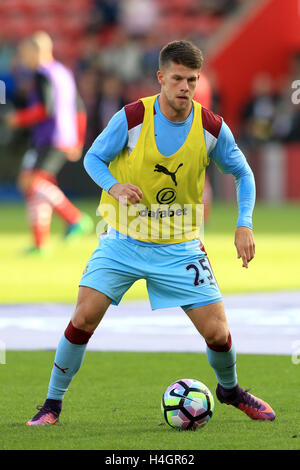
[[66, 22], [251, 50]]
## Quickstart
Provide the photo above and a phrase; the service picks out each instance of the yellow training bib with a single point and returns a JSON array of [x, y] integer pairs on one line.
[[172, 187]]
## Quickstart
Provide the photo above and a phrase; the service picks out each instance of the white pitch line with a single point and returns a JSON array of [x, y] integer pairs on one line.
[[259, 323]]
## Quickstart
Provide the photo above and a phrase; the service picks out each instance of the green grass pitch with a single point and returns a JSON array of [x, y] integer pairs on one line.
[[114, 401], [55, 278]]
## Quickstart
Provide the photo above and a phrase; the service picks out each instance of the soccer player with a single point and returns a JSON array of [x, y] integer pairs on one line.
[[57, 120], [157, 149]]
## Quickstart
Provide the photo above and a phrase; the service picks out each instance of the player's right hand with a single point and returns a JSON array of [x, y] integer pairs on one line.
[[126, 193], [74, 153], [11, 121]]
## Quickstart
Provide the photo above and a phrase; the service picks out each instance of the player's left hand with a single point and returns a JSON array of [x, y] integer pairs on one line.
[[244, 243]]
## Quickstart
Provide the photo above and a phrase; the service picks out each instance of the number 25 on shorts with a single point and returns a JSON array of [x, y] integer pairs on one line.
[[197, 279]]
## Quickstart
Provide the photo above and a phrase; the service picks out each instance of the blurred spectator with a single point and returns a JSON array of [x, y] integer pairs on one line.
[[104, 13], [294, 134], [286, 127], [138, 17], [287, 121], [259, 112], [151, 48], [110, 100], [89, 52], [89, 86], [19, 84], [271, 115], [7, 52], [220, 7], [123, 57]]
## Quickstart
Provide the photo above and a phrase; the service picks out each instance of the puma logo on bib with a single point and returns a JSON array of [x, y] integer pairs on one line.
[[163, 169]]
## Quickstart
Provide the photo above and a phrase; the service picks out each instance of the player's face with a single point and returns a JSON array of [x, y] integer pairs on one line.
[[28, 56], [178, 85]]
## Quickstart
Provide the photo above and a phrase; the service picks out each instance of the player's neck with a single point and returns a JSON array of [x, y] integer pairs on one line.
[[46, 60], [172, 114]]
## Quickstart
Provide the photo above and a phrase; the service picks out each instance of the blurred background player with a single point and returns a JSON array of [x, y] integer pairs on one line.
[[57, 118]]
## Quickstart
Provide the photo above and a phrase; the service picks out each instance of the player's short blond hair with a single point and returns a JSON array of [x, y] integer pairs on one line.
[[40, 40]]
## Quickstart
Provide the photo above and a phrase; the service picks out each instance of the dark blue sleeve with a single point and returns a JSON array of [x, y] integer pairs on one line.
[[231, 160]]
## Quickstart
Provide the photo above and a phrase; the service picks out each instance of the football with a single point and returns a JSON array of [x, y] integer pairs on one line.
[[187, 404]]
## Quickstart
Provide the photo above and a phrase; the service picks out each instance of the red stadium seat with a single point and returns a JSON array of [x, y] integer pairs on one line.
[[185, 24]]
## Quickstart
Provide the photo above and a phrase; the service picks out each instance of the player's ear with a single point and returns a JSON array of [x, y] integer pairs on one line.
[[159, 75]]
